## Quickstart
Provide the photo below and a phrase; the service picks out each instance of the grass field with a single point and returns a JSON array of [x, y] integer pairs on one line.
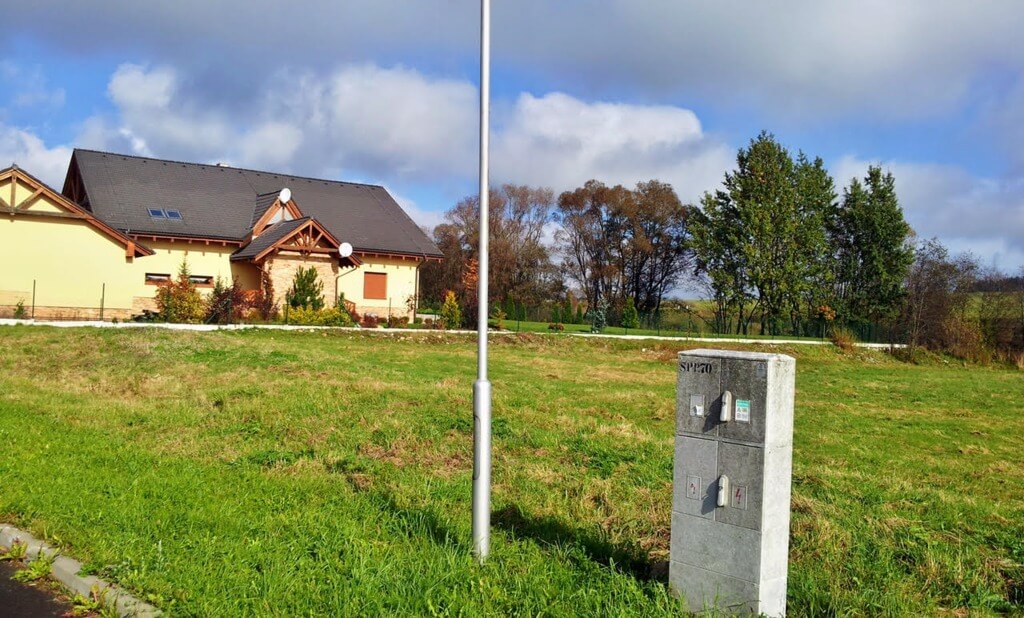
[[254, 473]]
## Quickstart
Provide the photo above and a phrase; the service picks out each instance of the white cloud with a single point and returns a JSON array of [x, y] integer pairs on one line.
[[397, 125], [968, 213], [30, 153], [560, 141]]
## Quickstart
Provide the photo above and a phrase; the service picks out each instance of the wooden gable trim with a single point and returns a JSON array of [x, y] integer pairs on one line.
[[188, 239], [264, 222], [73, 210], [414, 257], [317, 234]]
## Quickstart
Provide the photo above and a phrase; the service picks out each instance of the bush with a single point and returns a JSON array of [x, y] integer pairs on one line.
[[19, 310], [260, 305], [178, 300], [319, 317], [226, 304], [843, 338], [451, 314], [630, 317], [307, 290], [369, 321], [556, 327]]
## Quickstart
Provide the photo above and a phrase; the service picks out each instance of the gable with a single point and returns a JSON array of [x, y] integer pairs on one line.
[[23, 195]]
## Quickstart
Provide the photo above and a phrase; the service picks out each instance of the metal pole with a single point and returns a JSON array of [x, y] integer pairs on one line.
[[482, 387], [103, 300], [33, 299]]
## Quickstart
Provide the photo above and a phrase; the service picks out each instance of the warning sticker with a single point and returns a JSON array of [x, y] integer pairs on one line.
[[743, 410]]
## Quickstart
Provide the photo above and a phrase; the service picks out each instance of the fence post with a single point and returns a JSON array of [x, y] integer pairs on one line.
[[103, 300], [33, 299]]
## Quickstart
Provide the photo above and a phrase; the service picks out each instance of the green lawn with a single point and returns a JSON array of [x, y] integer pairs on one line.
[[254, 473]]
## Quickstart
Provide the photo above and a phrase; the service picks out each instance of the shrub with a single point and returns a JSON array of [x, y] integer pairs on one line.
[[260, 303], [19, 310], [499, 318], [178, 300], [307, 290], [599, 319], [630, 317], [451, 314], [843, 338], [226, 304], [369, 321], [556, 314], [302, 316], [579, 315], [556, 327]]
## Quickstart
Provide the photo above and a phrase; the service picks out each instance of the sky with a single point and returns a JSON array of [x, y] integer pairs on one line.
[[386, 92]]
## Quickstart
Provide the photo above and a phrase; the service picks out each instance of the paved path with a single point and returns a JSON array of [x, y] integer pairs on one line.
[[413, 331], [19, 600]]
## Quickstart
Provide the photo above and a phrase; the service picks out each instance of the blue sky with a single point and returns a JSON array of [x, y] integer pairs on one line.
[[623, 91]]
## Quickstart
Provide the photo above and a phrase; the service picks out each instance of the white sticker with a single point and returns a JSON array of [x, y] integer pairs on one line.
[[743, 410]]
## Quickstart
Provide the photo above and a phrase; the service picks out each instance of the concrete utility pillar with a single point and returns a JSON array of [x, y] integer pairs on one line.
[[731, 486]]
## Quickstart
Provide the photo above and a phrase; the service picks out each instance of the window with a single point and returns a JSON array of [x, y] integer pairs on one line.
[[157, 278], [375, 286], [201, 280], [156, 213], [174, 215]]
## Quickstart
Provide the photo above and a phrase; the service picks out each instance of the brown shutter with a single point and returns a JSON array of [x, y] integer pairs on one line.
[[375, 286]]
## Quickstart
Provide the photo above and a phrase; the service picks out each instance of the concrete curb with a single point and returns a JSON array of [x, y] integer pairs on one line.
[[65, 570], [415, 331]]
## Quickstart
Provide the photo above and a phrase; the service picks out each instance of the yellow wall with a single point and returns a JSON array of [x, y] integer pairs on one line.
[[401, 285]]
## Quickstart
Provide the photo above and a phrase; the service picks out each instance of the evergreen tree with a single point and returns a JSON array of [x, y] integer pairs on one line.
[[567, 313], [556, 314], [521, 311], [510, 308], [630, 317], [307, 290], [451, 313], [579, 314], [873, 250]]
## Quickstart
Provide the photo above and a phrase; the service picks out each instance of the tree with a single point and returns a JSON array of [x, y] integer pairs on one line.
[[936, 313], [748, 235], [520, 261], [451, 314], [619, 243], [178, 300], [307, 290], [630, 317], [874, 254]]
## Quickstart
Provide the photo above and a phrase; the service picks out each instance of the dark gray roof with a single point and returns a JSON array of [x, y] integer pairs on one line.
[[269, 236], [222, 202]]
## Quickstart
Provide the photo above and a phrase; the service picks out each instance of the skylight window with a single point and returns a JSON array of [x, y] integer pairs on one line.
[[156, 213], [174, 215]]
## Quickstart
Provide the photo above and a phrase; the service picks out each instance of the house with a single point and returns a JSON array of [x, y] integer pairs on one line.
[[124, 224]]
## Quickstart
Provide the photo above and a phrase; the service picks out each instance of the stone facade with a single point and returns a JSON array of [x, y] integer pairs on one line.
[[283, 266]]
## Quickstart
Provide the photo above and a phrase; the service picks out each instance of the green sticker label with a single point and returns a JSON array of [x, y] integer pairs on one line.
[[743, 410]]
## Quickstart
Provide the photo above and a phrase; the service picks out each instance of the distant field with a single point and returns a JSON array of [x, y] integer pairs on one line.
[[255, 473], [696, 331]]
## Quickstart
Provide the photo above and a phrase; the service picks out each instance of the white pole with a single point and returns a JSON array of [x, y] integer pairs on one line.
[[482, 387]]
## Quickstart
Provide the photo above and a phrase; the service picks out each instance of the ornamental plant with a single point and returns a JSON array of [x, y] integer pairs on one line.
[[307, 290], [451, 313], [178, 300]]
